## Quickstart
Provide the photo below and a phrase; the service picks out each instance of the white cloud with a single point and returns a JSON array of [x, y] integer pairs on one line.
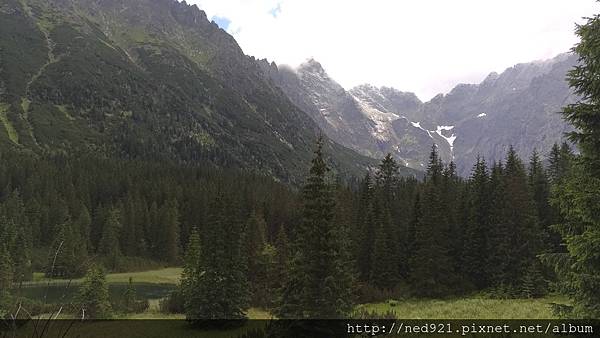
[[424, 46]]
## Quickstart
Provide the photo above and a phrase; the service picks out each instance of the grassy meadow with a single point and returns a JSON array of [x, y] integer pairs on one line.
[[471, 307]]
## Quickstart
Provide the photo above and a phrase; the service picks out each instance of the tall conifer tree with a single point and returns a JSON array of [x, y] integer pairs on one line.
[[577, 196], [314, 289]]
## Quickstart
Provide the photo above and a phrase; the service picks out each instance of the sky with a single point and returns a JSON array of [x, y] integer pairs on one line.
[[422, 46]]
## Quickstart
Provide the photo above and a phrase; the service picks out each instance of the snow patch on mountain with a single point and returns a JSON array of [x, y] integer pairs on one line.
[[382, 120], [449, 139], [418, 125]]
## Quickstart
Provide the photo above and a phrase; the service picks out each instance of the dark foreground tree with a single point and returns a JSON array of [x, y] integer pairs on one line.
[[93, 295], [317, 286], [214, 284], [578, 195], [431, 262]]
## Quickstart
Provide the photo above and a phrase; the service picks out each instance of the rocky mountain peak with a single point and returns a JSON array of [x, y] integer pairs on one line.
[[312, 66]]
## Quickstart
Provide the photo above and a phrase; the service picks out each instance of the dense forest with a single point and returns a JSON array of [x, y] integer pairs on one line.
[[514, 228], [392, 235]]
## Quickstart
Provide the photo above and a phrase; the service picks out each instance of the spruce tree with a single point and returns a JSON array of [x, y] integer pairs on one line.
[[577, 195], [255, 245], [384, 273], [22, 258], [282, 250], [68, 254], [6, 271], [387, 241], [217, 289], [93, 295], [522, 222], [109, 242], [387, 178], [432, 268], [498, 237], [477, 225], [314, 288], [192, 268], [169, 232], [83, 224], [365, 228], [540, 188], [265, 279], [129, 296]]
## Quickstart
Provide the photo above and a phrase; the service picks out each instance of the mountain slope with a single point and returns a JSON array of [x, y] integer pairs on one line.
[[517, 107], [146, 78]]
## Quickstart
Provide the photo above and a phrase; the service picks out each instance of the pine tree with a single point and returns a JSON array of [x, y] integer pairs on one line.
[[6, 271], [411, 232], [521, 220], [192, 268], [540, 188], [22, 258], [387, 178], [282, 258], [255, 245], [129, 295], [109, 242], [577, 195], [83, 225], [218, 289], [477, 225], [498, 247], [68, 255], [93, 295], [265, 280], [168, 241], [559, 162], [451, 191], [314, 289], [432, 268], [366, 227], [384, 272], [388, 224]]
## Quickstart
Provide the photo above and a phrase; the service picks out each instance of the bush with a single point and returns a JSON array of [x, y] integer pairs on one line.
[[29, 307], [173, 303], [93, 295], [371, 294], [366, 314], [136, 306]]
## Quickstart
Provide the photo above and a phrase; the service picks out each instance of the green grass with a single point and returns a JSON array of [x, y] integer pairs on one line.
[[63, 109], [10, 130], [470, 308], [161, 276]]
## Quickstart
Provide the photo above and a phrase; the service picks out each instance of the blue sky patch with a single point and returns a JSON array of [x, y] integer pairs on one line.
[[221, 21], [275, 11]]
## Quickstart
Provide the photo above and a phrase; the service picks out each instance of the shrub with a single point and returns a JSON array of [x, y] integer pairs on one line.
[[366, 314], [173, 303], [371, 294]]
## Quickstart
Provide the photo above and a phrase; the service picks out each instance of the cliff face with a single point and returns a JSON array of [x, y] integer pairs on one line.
[[518, 107]]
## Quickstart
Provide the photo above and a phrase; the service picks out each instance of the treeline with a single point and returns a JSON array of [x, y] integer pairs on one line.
[[444, 235], [60, 214], [447, 235], [394, 237]]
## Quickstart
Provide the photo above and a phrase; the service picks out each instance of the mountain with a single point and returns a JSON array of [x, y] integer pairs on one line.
[[517, 107], [361, 119], [150, 79]]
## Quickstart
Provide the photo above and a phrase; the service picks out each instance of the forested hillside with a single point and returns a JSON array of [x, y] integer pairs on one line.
[[147, 79]]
